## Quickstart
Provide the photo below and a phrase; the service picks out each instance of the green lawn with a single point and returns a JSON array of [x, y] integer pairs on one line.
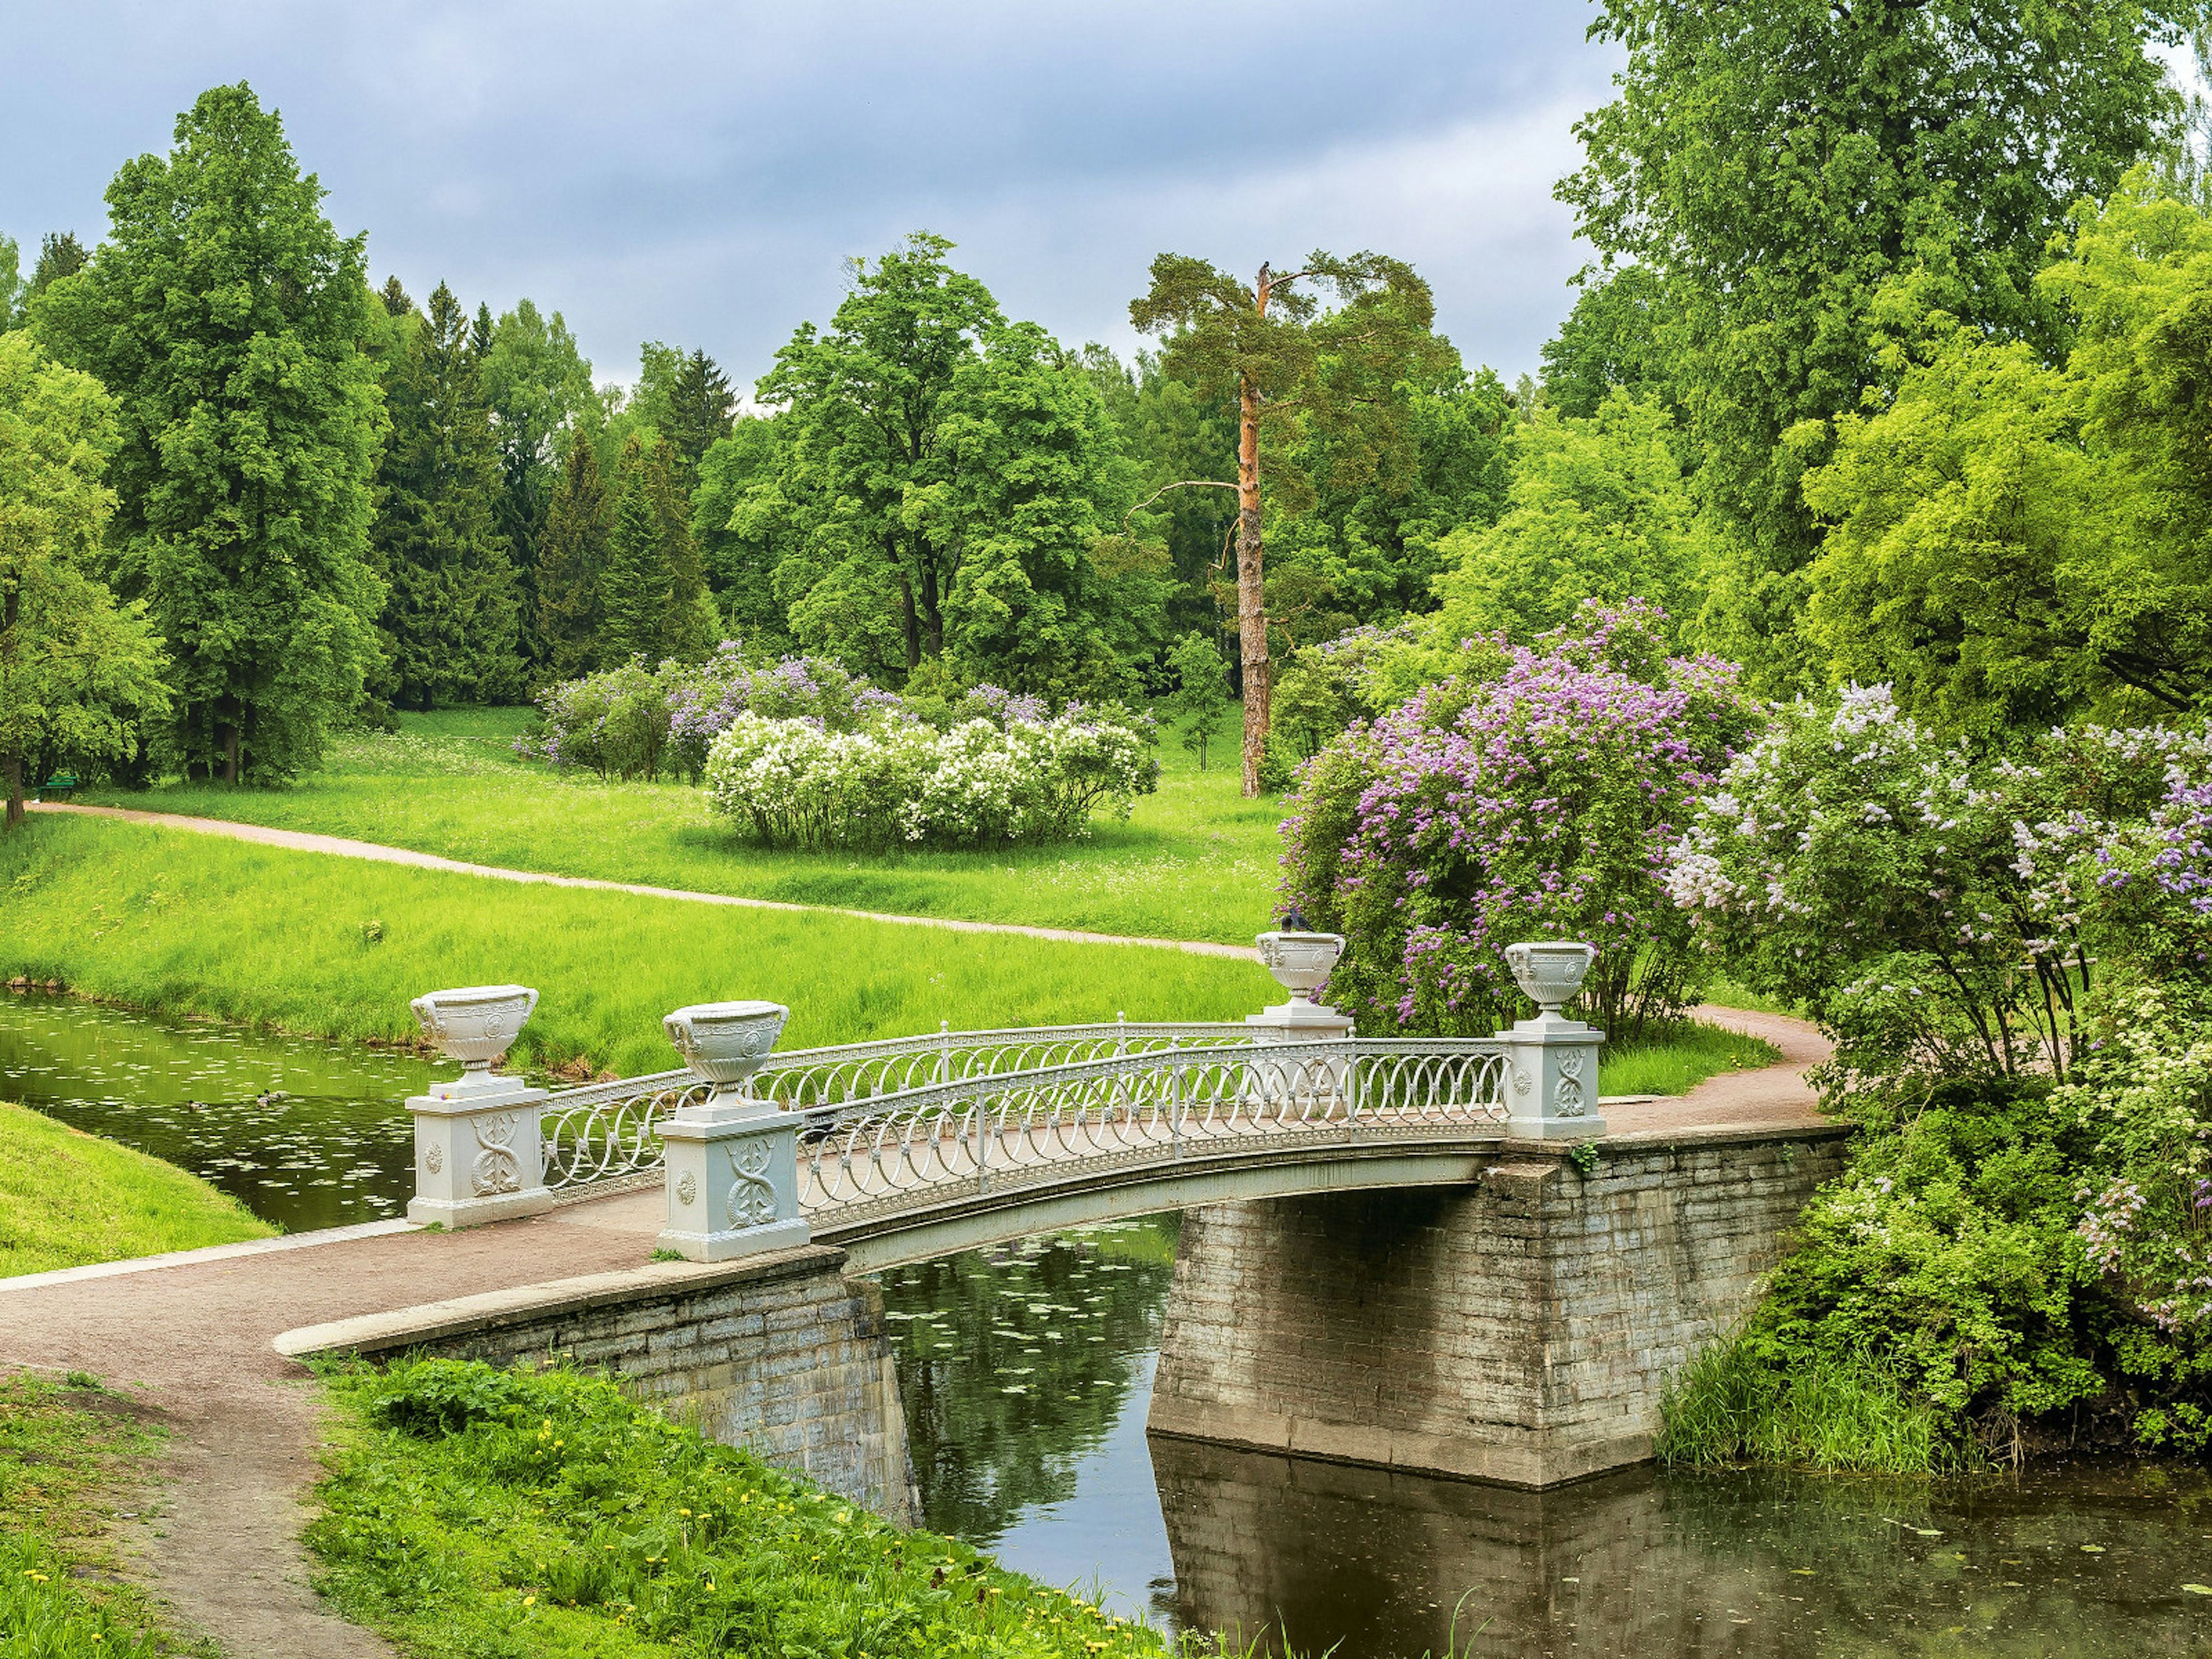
[[68, 1451], [477, 1514], [1195, 861], [185, 923], [67, 1198]]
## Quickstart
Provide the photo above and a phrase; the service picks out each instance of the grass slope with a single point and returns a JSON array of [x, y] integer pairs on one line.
[[64, 1448], [67, 1198], [184, 923], [472, 1513], [1196, 860]]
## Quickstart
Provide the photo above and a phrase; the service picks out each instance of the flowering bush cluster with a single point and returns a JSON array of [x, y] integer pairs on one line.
[[795, 783], [633, 721], [2014, 951], [1539, 801], [1930, 906]]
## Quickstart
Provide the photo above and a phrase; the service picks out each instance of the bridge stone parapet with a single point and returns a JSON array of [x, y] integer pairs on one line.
[[1520, 1331], [779, 1353]]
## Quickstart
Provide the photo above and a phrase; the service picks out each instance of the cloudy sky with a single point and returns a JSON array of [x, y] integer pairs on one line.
[[696, 173]]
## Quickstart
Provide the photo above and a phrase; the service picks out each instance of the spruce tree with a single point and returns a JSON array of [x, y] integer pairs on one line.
[[60, 254], [634, 589], [451, 619], [227, 317], [700, 409], [573, 561], [686, 629]]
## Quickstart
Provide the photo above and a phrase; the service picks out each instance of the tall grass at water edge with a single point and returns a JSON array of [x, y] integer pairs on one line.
[[187, 923], [1725, 1406]]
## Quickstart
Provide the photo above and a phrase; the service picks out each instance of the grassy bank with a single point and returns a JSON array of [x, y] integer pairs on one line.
[[66, 1450], [1196, 860], [476, 1512], [1679, 1061], [67, 1198], [336, 947]]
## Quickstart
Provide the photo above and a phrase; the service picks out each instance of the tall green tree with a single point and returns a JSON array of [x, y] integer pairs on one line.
[[1298, 372], [537, 385], [1200, 694], [1772, 165], [573, 566], [451, 619], [650, 590], [78, 673], [740, 566], [702, 409], [227, 317], [869, 579], [1598, 510]]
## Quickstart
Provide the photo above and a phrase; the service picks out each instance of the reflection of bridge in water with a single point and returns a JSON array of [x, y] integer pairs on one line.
[[1429, 1255]]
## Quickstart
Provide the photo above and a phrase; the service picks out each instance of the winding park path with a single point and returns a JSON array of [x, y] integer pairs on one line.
[[301, 840]]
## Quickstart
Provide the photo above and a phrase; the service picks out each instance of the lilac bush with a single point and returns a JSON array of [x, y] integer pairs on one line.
[[1539, 801]]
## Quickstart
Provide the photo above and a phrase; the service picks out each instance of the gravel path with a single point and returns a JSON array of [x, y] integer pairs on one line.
[[301, 840]]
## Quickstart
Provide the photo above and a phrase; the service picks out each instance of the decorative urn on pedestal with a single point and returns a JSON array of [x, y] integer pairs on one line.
[[1302, 960], [732, 1161], [1554, 1060], [726, 1043], [477, 1155]]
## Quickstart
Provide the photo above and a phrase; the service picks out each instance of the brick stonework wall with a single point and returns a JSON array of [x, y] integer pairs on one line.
[[789, 1359], [1518, 1331]]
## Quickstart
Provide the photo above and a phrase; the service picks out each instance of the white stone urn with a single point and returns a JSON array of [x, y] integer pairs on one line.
[[1551, 972], [726, 1043], [475, 1025], [1301, 962]]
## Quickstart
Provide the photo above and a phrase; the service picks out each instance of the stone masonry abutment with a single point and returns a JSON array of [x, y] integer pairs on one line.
[[780, 1353], [1519, 1331]]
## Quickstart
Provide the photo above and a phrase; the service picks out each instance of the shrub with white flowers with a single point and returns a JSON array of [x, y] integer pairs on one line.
[[791, 783]]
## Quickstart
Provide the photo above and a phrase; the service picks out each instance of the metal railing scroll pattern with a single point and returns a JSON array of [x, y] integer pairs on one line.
[[1160, 1105], [607, 1131]]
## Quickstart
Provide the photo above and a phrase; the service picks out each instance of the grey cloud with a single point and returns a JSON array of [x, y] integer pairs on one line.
[[695, 172]]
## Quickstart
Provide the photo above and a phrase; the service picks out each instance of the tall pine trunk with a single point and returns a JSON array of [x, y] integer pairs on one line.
[[1251, 599]]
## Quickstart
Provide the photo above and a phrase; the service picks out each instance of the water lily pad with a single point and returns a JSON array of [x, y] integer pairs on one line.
[[2198, 1589], [2093, 1549]]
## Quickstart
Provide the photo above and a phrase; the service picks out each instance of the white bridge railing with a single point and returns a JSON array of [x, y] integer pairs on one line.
[[751, 1145], [609, 1131]]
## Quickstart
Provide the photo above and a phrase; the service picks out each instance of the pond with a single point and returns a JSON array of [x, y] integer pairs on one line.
[[304, 1133], [1027, 1372]]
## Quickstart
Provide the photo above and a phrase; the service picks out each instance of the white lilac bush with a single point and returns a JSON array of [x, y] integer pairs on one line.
[[794, 783], [2012, 949]]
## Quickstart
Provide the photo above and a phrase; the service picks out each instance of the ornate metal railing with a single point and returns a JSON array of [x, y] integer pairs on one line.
[[608, 1131], [1025, 1127]]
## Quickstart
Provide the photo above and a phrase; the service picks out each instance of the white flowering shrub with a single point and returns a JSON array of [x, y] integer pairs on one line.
[[791, 783], [1932, 906]]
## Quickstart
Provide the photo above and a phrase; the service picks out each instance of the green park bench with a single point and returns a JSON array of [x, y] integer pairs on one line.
[[60, 784]]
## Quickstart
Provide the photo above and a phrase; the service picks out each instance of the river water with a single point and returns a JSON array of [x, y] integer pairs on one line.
[[1027, 1371]]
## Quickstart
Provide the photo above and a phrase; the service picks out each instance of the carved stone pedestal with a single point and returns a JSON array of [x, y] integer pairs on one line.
[[733, 1182], [477, 1155]]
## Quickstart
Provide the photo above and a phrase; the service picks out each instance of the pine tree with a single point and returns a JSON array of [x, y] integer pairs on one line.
[[687, 627], [60, 254], [700, 409], [634, 588], [573, 555]]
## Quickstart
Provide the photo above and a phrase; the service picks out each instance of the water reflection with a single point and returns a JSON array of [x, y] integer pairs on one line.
[[304, 1134], [1027, 1374], [2080, 1560]]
